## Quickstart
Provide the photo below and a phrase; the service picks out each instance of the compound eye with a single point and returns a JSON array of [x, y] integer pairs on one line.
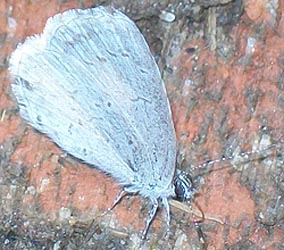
[[179, 190], [183, 187]]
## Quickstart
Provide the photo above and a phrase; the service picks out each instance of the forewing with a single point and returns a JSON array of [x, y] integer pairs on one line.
[[91, 84]]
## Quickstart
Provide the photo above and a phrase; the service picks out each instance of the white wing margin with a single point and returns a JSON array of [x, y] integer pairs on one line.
[[91, 84]]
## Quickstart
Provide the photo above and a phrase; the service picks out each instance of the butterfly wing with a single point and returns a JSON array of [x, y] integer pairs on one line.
[[91, 84]]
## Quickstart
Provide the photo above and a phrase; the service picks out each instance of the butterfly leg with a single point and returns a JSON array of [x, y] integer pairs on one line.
[[168, 216], [118, 198], [150, 218]]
